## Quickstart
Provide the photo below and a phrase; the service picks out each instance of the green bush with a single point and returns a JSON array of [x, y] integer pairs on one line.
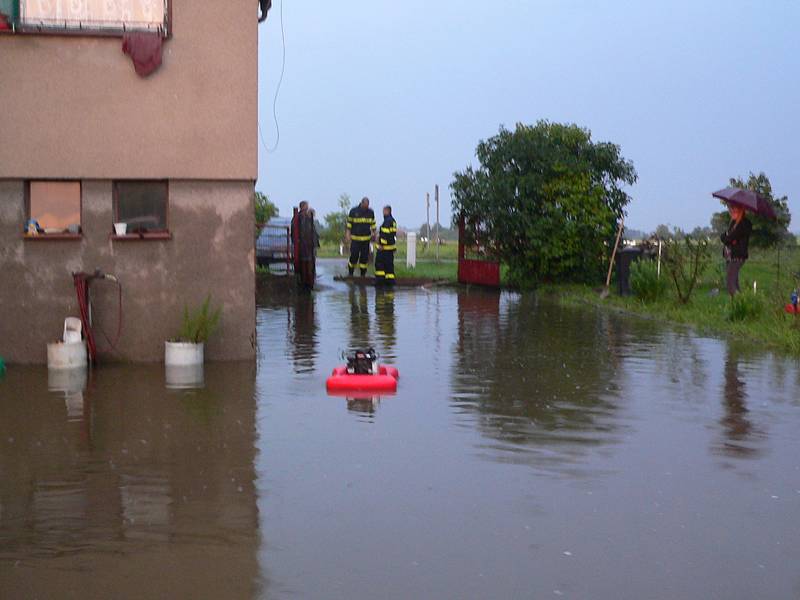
[[199, 324], [745, 306], [645, 282]]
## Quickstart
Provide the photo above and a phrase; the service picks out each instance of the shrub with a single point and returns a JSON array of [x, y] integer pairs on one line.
[[645, 282], [686, 259], [745, 306], [198, 325]]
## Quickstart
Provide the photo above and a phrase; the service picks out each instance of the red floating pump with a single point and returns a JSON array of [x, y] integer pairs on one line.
[[385, 380]]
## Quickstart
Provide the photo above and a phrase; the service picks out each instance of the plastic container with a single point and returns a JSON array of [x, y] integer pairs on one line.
[[183, 353], [120, 228], [66, 356], [625, 258], [72, 330]]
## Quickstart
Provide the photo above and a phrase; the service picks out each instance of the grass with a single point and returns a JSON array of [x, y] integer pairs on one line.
[[427, 270], [710, 309], [427, 267], [449, 251]]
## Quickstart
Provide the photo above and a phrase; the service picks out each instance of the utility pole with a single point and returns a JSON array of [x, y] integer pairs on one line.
[[427, 218], [436, 191]]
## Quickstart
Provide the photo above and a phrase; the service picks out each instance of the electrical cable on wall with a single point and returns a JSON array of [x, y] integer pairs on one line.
[[275, 98]]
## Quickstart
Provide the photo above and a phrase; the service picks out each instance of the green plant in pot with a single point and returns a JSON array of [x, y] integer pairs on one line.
[[197, 326]]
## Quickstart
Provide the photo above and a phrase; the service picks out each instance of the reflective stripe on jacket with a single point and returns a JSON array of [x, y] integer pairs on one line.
[[387, 239]]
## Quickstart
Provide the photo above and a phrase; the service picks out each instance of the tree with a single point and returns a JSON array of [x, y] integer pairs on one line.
[[662, 232], [766, 233], [546, 199], [336, 222], [265, 209]]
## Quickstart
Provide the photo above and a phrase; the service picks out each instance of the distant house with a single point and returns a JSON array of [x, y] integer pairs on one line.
[[160, 137]]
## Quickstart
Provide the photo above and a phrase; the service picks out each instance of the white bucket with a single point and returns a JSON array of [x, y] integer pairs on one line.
[[183, 353], [66, 356], [120, 228]]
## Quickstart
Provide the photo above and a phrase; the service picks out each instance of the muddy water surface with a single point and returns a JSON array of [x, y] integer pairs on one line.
[[532, 451]]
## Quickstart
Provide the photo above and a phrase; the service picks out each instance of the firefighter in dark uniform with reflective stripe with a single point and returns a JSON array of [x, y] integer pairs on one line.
[[360, 230], [387, 244]]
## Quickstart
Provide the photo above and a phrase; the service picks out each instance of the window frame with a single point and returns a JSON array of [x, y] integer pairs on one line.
[[161, 234], [20, 29], [52, 236]]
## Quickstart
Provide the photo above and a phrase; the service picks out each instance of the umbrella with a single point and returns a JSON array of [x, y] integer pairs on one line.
[[748, 200]]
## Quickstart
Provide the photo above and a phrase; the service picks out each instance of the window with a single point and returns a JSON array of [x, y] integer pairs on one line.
[[142, 207], [54, 208], [9, 14], [86, 17]]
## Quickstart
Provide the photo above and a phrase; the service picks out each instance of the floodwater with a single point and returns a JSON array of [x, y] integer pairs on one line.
[[532, 451]]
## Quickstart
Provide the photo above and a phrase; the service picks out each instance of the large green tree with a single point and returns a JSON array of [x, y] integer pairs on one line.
[[546, 199], [766, 233]]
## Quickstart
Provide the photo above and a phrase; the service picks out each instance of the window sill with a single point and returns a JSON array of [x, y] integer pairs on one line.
[[75, 32], [132, 237], [52, 236]]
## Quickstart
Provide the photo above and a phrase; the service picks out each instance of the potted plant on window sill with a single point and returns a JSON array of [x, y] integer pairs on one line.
[[197, 326]]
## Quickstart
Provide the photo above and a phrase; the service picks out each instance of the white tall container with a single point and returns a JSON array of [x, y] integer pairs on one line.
[[183, 353], [66, 356], [411, 249]]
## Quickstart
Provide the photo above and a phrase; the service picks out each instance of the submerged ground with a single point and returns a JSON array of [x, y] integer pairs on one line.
[[533, 450]]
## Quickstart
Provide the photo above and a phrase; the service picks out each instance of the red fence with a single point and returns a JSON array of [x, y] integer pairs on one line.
[[478, 271]]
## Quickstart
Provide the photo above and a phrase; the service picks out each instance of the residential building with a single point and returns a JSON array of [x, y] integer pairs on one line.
[[90, 138]]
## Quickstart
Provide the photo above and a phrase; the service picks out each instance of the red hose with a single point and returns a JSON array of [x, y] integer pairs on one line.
[[82, 291], [82, 281]]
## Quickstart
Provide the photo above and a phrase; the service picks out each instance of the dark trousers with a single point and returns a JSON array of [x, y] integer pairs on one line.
[[733, 267], [359, 257], [384, 266]]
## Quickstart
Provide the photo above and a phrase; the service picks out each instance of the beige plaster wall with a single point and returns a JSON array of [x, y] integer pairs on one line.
[[211, 251], [73, 107]]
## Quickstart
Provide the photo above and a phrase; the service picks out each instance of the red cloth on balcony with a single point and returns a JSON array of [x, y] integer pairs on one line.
[[144, 48]]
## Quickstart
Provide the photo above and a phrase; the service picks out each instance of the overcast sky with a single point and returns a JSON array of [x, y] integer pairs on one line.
[[386, 99]]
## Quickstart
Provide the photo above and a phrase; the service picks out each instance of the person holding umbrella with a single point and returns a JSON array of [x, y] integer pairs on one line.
[[736, 240], [737, 237]]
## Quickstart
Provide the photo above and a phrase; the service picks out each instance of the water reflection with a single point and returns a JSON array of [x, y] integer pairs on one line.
[[303, 328], [365, 406], [359, 317], [162, 477], [71, 383], [740, 436], [386, 322], [521, 371]]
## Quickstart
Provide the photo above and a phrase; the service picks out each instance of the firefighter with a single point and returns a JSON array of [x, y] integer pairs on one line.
[[360, 230], [387, 244]]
